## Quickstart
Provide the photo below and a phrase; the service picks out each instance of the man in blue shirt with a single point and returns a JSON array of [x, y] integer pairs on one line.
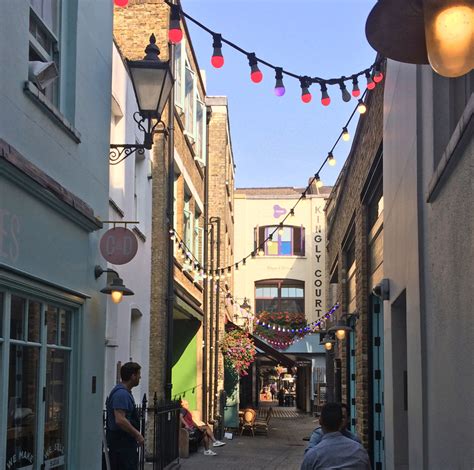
[[123, 424], [335, 451], [317, 434]]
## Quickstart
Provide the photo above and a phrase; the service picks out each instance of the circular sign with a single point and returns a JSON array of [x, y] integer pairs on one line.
[[118, 245]]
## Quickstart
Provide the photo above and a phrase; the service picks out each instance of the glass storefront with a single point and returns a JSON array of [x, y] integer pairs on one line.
[[36, 339]]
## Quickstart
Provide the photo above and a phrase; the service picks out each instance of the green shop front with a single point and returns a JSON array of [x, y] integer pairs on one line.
[[52, 321]]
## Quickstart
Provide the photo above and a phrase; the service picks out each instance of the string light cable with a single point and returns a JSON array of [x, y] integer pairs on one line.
[[372, 74], [220, 271]]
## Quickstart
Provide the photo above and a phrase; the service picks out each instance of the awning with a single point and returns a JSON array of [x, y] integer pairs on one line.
[[268, 350]]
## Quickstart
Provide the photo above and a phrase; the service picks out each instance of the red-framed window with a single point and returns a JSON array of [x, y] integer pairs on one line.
[[287, 240], [279, 295]]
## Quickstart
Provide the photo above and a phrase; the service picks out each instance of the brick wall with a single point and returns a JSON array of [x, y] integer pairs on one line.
[[345, 210]]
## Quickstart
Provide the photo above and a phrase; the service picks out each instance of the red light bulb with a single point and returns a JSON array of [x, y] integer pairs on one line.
[[217, 61], [370, 82], [175, 34], [355, 90], [326, 101], [121, 3], [256, 75], [378, 77], [306, 97], [305, 83]]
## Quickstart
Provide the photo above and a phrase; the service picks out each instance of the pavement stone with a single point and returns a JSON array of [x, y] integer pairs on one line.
[[283, 449]]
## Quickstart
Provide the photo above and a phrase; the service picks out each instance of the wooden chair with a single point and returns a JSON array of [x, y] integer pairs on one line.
[[248, 420], [262, 424]]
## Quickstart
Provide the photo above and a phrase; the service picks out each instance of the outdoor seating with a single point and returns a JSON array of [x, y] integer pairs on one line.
[[261, 424], [248, 421]]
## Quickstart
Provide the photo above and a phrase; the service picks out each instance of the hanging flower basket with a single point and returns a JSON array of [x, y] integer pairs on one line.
[[239, 350], [285, 327]]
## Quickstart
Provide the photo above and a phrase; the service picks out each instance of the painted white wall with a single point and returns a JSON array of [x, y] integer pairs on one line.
[[127, 331]]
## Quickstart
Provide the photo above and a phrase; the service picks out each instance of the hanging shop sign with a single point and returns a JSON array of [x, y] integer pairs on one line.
[[118, 245]]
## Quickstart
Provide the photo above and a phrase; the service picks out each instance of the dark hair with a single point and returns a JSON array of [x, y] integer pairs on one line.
[[128, 369], [331, 417]]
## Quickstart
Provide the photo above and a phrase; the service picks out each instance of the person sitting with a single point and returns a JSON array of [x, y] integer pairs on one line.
[[335, 450], [200, 432], [317, 434]]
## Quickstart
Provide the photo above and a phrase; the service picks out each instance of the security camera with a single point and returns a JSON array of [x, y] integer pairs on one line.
[[42, 74], [382, 290]]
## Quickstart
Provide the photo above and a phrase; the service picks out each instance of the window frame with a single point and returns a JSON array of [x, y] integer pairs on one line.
[[280, 284], [201, 133], [190, 114], [45, 300], [267, 229], [52, 92], [179, 74]]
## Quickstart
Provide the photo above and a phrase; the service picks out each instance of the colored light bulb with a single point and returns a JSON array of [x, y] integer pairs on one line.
[[346, 96], [355, 88], [255, 74], [217, 59], [279, 89], [325, 99], [370, 82], [378, 75], [305, 93], [175, 34], [121, 3]]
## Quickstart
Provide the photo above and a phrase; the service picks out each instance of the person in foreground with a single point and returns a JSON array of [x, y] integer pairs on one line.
[[123, 424], [202, 432], [317, 434], [335, 451]]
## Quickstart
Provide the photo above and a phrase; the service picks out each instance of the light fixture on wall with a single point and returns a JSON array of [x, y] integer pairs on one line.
[[438, 32], [116, 289], [245, 305], [340, 328], [328, 342], [152, 82]]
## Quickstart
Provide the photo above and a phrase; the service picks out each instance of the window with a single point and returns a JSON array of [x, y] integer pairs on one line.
[[38, 349], [351, 275], [201, 141], [178, 73], [287, 240], [187, 222], [375, 206], [284, 295], [198, 242], [189, 102], [45, 39]]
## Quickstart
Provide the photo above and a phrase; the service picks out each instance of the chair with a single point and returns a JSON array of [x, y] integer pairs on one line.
[[248, 420], [262, 424]]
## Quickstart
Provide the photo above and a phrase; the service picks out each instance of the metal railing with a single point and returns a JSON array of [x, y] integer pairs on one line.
[[161, 421]]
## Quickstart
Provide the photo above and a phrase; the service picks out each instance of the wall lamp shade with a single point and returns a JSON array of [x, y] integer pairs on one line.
[[246, 306], [116, 289], [327, 341], [152, 81], [340, 329], [439, 32]]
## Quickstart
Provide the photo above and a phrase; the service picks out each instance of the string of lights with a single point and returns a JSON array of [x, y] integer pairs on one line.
[[372, 74], [193, 262]]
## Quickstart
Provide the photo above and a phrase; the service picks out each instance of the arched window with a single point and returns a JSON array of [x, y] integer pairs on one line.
[[279, 295], [287, 240]]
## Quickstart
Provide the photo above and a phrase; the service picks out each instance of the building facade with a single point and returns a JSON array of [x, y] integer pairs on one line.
[[220, 174], [428, 250], [130, 193], [54, 179], [355, 229], [287, 276]]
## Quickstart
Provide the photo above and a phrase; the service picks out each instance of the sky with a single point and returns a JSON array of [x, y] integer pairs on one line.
[[280, 141]]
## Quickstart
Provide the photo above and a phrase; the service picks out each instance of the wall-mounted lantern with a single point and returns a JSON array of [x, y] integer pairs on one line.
[[116, 289]]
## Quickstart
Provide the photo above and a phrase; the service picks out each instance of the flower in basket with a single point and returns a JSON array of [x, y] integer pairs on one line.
[[239, 350]]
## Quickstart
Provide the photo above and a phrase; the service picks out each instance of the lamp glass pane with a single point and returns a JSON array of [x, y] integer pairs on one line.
[[148, 83]]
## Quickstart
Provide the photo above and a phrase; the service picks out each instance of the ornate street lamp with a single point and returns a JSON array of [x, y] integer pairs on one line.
[[439, 32], [245, 305], [327, 341], [116, 289], [152, 82]]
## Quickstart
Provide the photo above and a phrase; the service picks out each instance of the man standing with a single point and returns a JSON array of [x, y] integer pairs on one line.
[[123, 424], [335, 450]]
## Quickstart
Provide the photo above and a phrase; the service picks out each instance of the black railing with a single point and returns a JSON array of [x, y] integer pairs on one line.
[[162, 447], [166, 426]]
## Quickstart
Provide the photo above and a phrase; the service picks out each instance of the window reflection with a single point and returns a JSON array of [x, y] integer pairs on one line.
[[34, 321], [22, 400], [17, 320]]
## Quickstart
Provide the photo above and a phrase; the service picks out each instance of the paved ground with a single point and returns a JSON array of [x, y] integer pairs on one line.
[[282, 450]]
